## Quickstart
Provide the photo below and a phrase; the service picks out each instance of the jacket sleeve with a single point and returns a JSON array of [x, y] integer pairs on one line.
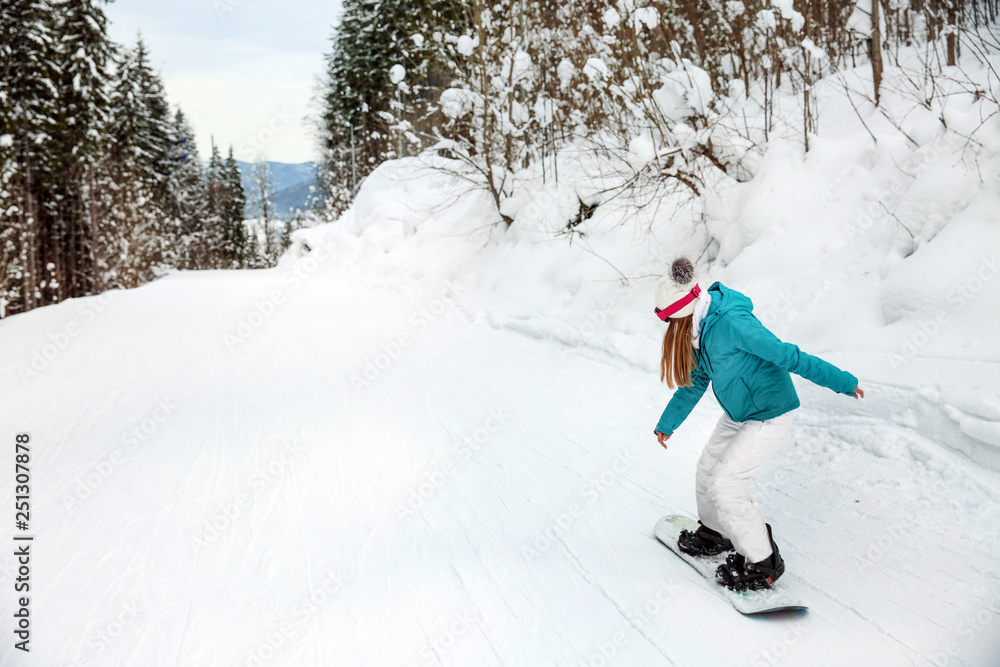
[[682, 402], [751, 336]]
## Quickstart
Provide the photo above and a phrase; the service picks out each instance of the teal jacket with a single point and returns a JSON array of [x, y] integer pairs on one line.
[[748, 366]]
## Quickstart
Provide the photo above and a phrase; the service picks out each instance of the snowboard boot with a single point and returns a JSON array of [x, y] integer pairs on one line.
[[740, 575], [703, 542]]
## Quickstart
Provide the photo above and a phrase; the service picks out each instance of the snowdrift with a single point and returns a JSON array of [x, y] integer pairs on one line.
[[878, 249]]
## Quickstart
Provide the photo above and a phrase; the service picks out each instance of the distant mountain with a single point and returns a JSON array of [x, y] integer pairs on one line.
[[290, 187]]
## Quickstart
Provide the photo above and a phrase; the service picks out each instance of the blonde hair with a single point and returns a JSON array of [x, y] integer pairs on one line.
[[678, 358]]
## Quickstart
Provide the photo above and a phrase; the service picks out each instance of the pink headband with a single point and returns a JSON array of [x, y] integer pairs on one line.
[[679, 304]]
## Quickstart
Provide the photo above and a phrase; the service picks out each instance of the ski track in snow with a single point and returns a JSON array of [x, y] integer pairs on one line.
[[370, 526]]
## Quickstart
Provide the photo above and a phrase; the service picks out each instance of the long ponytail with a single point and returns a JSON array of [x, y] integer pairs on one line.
[[678, 358]]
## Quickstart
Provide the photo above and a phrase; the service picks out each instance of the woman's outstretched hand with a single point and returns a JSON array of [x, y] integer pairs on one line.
[[858, 393], [663, 439]]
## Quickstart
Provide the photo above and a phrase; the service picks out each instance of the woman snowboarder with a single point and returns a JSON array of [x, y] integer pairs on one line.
[[712, 336]]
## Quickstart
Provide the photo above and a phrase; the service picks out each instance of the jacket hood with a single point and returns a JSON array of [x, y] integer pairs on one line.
[[725, 300]]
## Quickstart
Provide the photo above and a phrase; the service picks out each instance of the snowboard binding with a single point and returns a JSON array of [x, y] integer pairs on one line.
[[740, 575], [703, 542]]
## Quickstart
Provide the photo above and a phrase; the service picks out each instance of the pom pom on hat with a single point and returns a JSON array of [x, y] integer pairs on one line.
[[682, 271], [677, 285]]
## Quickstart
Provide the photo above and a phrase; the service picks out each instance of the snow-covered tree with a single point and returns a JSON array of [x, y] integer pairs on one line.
[[382, 82], [141, 122], [99, 182], [266, 248], [188, 200], [133, 236], [55, 82], [297, 221], [28, 77], [237, 250], [84, 54]]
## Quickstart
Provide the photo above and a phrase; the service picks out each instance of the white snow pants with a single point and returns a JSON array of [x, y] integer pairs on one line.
[[732, 455]]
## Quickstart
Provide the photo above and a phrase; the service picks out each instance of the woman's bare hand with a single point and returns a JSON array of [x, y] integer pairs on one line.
[[663, 439], [858, 393]]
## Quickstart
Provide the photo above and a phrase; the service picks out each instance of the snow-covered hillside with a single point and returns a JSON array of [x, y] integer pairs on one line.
[[426, 439]]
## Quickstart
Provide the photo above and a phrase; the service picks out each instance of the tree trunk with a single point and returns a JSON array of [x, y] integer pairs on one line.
[[699, 36], [29, 213], [876, 50], [806, 82], [744, 67], [952, 60]]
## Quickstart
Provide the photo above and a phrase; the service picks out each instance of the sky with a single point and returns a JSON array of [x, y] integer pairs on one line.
[[243, 71]]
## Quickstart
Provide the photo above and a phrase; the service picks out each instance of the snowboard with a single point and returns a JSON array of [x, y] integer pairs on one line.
[[777, 598]]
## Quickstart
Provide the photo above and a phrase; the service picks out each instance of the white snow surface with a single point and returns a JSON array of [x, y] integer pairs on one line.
[[424, 438]]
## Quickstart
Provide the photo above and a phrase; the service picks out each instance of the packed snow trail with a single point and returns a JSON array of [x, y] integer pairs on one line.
[[370, 473]]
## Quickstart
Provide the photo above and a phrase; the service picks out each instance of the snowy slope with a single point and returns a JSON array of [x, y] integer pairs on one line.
[[422, 439], [487, 499]]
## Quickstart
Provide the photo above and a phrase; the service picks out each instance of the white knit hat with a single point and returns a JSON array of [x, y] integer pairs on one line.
[[677, 291]]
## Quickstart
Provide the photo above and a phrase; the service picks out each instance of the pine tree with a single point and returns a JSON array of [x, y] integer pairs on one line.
[[153, 146], [28, 75], [187, 200], [237, 249], [83, 52], [133, 237], [367, 118], [266, 248], [119, 191], [214, 179], [226, 208]]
